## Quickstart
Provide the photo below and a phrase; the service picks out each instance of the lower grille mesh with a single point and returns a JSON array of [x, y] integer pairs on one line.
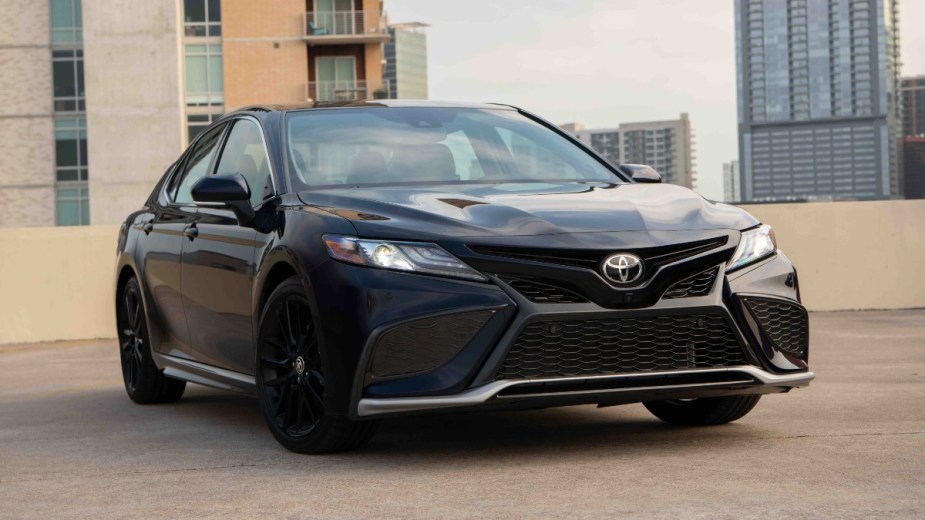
[[615, 346], [697, 285], [785, 323]]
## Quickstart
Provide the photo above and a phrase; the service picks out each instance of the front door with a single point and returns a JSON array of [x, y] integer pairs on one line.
[[219, 257]]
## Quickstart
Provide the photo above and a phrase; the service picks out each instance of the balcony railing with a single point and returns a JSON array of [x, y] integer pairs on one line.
[[345, 26], [346, 90]]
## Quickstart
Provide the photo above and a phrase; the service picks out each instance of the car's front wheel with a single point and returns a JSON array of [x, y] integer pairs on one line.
[[144, 382], [704, 411], [291, 379]]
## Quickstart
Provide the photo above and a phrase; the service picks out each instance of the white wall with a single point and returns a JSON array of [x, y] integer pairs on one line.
[[135, 122]]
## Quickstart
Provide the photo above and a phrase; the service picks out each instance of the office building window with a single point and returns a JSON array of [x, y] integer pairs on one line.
[[204, 77], [72, 205], [66, 21], [71, 150], [196, 123], [68, 76], [202, 18]]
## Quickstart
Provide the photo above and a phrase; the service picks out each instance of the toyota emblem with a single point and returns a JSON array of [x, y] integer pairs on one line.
[[622, 268]]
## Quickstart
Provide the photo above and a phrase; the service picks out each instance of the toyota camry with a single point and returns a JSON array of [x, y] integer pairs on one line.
[[353, 261]]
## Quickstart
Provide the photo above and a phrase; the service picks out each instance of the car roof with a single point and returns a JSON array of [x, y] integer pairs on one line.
[[371, 103]]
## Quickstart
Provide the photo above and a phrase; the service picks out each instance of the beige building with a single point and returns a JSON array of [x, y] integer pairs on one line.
[[667, 146], [100, 96]]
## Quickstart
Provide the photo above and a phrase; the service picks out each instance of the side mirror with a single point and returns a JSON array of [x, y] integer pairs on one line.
[[642, 173], [231, 190]]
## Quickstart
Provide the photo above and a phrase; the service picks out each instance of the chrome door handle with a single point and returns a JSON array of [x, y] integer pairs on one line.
[[191, 231]]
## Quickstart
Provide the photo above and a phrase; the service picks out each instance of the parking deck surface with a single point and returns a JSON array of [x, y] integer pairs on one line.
[[852, 445]]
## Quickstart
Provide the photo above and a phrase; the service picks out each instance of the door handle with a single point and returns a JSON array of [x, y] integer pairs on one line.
[[147, 227], [191, 231]]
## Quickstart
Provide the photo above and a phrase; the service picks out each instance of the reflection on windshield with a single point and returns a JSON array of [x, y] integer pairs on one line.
[[363, 146]]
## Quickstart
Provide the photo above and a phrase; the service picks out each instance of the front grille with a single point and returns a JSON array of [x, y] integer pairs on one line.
[[785, 323], [623, 345], [697, 285], [652, 257], [425, 344], [539, 292]]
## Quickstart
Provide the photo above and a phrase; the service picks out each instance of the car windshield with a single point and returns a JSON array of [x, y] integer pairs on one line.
[[361, 146]]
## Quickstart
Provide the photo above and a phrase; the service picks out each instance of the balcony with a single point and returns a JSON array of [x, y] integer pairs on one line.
[[346, 90], [339, 27]]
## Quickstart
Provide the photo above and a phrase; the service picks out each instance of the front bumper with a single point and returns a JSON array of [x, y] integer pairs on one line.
[[373, 304], [603, 390]]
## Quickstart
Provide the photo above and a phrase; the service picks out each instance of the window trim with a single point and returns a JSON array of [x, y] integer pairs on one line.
[[180, 168], [266, 153], [229, 123]]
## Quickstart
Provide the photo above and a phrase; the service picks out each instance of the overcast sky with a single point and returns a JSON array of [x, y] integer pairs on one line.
[[604, 62]]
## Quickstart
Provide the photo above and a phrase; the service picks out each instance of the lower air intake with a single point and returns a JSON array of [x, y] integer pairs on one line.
[[423, 345], [785, 323], [625, 345]]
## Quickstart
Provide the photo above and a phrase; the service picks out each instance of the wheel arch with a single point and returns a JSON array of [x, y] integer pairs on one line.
[[125, 272]]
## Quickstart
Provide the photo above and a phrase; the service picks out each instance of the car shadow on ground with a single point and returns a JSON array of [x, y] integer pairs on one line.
[[575, 428]]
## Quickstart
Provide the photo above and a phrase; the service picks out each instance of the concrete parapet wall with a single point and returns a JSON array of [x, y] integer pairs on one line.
[[56, 283]]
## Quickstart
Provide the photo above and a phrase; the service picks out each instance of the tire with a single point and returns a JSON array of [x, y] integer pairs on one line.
[[291, 378], [144, 382], [703, 412]]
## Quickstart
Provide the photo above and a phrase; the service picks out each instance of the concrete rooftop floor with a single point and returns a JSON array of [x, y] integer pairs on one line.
[[852, 445]]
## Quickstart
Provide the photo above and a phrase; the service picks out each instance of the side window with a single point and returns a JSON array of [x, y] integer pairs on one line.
[[196, 166], [244, 153]]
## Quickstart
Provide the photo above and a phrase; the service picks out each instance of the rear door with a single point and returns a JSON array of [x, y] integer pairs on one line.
[[218, 264]]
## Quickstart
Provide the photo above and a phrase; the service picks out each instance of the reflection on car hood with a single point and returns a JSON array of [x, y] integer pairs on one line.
[[524, 209]]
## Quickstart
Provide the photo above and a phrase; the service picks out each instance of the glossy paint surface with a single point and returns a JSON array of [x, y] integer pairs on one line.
[[525, 209], [205, 277]]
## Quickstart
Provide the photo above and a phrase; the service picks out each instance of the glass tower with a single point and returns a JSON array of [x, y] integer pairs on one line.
[[405, 71], [818, 84]]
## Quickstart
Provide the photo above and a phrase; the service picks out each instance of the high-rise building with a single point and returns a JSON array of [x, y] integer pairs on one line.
[[818, 84], [667, 146], [731, 178], [43, 138], [913, 95], [406, 61], [914, 166], [101, 96]]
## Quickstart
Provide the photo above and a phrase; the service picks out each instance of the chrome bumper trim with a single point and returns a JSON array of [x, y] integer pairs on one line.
[[476, 396]]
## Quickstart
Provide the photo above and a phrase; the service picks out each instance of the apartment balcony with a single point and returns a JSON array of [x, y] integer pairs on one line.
[[340, 27], [346, 90]]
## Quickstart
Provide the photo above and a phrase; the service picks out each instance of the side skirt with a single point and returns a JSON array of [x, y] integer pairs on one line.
[[202, 374]]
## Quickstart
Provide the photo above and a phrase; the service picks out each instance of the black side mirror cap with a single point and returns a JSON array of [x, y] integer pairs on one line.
[[231, 190], [642, 173], [221, 188]]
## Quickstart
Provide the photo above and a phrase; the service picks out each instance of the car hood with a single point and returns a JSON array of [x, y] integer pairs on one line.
[[524, 209]]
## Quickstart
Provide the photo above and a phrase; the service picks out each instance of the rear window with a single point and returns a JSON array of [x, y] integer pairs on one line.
[[362, 146]]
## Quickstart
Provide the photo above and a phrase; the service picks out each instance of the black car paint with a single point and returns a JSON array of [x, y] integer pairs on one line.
[[204, 277]]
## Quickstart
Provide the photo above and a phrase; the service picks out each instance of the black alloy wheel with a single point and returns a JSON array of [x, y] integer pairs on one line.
[[144, 382], [291, 379]]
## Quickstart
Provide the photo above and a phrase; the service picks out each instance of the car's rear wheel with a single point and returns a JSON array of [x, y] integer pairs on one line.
[[291, 379], [144, 382], [704, 411]]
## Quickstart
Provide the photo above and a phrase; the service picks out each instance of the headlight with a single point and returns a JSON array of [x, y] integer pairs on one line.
[[756, 244], [418, 257]]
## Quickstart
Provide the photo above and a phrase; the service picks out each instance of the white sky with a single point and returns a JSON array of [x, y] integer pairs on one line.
[[605, 62]]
